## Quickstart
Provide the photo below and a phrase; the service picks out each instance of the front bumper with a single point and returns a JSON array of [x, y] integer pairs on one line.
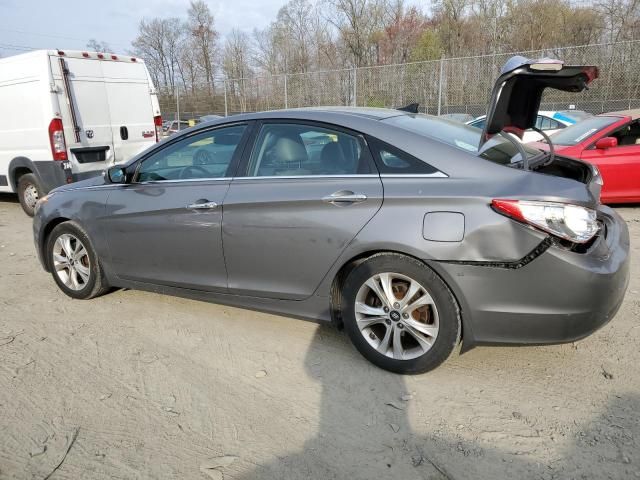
[[558, 297]]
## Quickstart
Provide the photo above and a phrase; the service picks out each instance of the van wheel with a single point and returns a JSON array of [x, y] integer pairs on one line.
[[29, 191]]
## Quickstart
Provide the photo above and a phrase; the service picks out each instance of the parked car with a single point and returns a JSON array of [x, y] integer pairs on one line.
[[174, 127], [458, 117], [208, 118], [547, 121], [68, 115], [392, 224], [611, 142]]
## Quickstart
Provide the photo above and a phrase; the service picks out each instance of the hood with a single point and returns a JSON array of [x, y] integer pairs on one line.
[[516, 95]]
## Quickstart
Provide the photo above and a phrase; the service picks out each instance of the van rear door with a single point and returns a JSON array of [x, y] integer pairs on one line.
[[131, 108], [84, 106]]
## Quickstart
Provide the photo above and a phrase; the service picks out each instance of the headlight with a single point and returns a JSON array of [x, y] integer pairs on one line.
[[570, 222]]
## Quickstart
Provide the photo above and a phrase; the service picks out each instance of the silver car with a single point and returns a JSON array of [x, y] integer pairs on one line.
[[411, 232]]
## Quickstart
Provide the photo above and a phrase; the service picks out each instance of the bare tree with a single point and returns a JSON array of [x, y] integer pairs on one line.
[[201, 26], [98, 46], [159, 42], [357, 22]]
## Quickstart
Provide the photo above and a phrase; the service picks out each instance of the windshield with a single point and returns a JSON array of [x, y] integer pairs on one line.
[[574, 134], [461, 136]]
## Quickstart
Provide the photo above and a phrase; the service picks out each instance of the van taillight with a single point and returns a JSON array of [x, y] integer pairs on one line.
[[56, 138], [157, 121]]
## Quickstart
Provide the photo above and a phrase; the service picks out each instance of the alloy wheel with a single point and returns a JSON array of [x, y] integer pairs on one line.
[[71, 261], [396, 315]]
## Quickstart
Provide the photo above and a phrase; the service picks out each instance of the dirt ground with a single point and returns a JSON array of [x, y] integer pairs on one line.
[[137, 385]]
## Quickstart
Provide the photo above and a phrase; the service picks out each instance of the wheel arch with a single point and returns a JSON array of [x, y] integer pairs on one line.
[[18, 167], [46, 232], [349, 265]]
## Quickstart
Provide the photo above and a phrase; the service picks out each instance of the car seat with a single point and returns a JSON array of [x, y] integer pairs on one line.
[[332, 160], [289, 156]]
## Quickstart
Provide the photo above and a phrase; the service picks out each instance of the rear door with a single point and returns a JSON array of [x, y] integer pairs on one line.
[[129, 96], [85, 112], [306, 192]]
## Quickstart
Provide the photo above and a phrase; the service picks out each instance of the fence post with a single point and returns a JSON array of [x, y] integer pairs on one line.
[[226, 109], [178, 106], [440, 84], [355, 86], [286, 94]]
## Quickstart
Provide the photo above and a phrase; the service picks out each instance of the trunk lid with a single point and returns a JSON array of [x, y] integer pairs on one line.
[[516, 95]]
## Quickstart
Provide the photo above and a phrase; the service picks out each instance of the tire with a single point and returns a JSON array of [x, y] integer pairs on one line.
[[426, 325], [29, 191], [78, 275]]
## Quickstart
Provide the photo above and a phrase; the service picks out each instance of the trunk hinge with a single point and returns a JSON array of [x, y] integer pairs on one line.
[[67, 88]]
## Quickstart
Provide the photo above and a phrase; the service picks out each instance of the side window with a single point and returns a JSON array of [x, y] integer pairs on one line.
[[539, 122], [296, 150], [205, 155], [392, 160], [628, 135]]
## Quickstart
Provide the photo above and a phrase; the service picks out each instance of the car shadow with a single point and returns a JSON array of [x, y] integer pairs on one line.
[[8, 197], [364, 432]]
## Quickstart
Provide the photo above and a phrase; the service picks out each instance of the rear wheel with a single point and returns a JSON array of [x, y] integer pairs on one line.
[[29, 191], [399, 314], [73, 261]]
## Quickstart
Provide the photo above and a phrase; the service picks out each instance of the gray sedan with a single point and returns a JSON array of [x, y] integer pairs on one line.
[[396, 226]]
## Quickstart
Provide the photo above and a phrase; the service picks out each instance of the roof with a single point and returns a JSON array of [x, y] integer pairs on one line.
[[112, 57], [352, 117], [368, 112]]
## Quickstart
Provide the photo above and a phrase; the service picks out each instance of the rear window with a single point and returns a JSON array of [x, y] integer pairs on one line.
[[574, 134], [461, 136]]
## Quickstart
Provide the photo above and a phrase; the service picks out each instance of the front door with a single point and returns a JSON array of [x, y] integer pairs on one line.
[[165, 227], [619, 166], [306, 192]]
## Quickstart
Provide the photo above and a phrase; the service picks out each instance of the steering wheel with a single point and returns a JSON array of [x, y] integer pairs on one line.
[[203, 157], [190, 172]]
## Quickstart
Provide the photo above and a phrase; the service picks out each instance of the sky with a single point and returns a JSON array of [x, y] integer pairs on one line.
[[70, 24]]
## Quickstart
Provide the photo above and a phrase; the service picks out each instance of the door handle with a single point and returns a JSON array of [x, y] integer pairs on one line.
[[202, 205], [344, 196]]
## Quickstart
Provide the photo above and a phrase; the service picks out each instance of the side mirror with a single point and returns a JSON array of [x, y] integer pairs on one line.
[[607, 142], [117, 175]]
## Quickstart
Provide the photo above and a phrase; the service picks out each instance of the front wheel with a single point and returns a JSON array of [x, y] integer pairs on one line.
[[399, 314], [74, 263], [29, 191]]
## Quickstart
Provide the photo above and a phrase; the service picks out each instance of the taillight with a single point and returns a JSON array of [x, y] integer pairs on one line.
[[56, 139], [157, 121], [570, 222]]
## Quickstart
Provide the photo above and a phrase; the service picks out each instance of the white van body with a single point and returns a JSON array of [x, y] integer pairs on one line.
[[105, 104]]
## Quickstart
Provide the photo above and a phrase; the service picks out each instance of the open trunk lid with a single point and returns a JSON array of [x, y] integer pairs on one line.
[[516, 95]]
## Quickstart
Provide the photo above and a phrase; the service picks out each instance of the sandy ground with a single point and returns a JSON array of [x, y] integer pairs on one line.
[[137, 385]]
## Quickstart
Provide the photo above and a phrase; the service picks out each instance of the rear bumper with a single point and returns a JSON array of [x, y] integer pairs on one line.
[[53, 174], [559, 297]]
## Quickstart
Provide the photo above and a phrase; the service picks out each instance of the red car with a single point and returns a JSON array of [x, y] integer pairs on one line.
[[611, 141]]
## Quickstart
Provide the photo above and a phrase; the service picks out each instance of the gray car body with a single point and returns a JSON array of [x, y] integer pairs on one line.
[[273, 245]]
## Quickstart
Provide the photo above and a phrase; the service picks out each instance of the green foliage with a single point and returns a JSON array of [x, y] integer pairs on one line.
[[429, 47]]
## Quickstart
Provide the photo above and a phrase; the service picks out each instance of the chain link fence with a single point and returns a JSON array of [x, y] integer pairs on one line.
[[449, 85]]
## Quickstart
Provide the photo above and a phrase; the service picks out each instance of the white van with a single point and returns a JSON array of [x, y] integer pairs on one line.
[[67, 115]]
